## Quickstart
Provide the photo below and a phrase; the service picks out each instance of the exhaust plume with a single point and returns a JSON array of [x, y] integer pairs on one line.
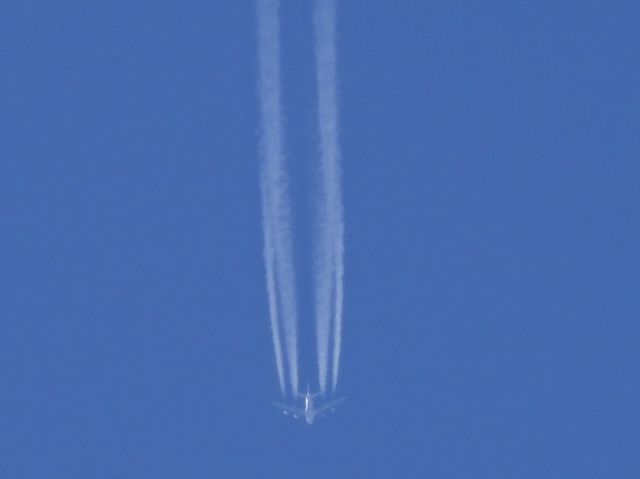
[[330, 246], [275, 197]]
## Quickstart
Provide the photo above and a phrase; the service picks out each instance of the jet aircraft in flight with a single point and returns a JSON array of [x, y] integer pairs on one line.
[[310, 412]]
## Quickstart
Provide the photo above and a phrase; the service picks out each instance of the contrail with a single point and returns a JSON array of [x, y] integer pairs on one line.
[[275, 200], [324, 259], [330, 265], [271, 286]]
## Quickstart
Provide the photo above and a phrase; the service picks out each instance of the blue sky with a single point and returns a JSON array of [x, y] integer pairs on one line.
[[490, 156]]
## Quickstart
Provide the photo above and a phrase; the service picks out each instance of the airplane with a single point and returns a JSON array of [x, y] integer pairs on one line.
[[309, 412]]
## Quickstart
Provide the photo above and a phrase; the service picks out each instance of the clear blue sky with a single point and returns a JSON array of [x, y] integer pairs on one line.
[[491, 180]]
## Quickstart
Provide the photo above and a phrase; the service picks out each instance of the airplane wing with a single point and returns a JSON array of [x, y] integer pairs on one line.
[[290, 409], [328, 406]]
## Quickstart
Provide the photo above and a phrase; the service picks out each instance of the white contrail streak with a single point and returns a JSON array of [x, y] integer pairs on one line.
[[323, 283], [330, 266], [271, 286], [275, 201]]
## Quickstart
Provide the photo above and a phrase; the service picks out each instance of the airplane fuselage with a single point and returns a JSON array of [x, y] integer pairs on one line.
[[308, 408]]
